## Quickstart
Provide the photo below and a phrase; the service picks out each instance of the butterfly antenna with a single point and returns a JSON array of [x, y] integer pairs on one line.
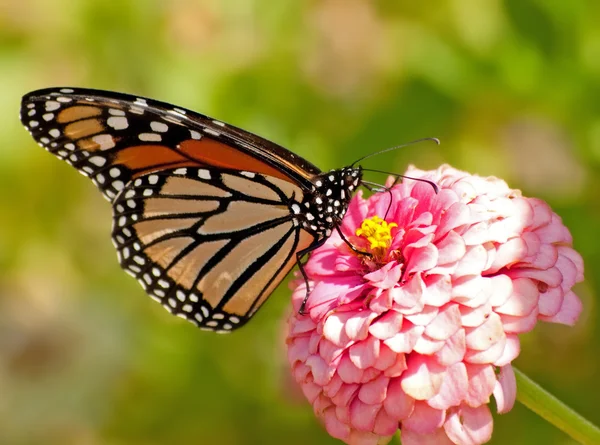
[[417, 141], [380, 188], [435, 187]]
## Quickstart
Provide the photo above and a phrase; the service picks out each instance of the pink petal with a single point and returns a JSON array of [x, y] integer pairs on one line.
[[552, 277], [298, 350], [454, 388], [423, 318], [451, 248], [385, 359], [398, 368], [486, 335], [422, 259], [356, 213], [321, 372], [406, 339], [398, 404], [330, 352], [384, 424], [505, 391], [324, 297], [385, 277], [445, 324], [512, 348], [475, 316], [387, 325], [357, 327], [575, 258], [428, 346], [502, 289], [454, 349], [334, 328], [457, 215], [473, 262], [345, 394], [333, 387], [482, 380], [469, 426], [472, 290], [348, 371], [518, 325], [362, 415], [422, 378], [311, 391], [551, 301], [507, 254], [569, 311], [366, 438], [542, 214], [438, 437], [375, 391], [364, 353], [424, 419], [334, 426], [523, 300], [489, 355], [438, 290], [409, 295]]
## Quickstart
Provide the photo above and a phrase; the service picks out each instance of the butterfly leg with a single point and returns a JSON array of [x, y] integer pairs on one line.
[[354, 249], [299, 255]]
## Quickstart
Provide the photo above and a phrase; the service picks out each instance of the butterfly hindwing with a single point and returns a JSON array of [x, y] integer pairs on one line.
[[209, 245]]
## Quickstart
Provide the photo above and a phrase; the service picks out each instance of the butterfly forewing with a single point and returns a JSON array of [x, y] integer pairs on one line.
[[113, 138]]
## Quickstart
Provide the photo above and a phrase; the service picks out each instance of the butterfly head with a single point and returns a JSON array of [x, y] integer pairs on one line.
[[327, 204]]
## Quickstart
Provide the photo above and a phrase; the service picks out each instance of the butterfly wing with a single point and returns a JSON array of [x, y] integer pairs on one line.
[[209, 245], [203, 211], [113, 138]]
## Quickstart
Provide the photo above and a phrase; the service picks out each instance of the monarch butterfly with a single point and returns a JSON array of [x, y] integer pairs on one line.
[[207, 217]]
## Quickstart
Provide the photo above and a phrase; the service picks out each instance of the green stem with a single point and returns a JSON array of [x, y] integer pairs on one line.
[[541, 402]]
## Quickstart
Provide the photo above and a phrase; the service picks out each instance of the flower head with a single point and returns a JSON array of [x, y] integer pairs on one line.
[[418, 332]]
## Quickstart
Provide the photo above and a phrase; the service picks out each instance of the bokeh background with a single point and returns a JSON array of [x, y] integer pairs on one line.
[[511, 87]]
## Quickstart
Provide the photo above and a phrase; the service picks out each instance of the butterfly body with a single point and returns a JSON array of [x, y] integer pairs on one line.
[[207, 217]]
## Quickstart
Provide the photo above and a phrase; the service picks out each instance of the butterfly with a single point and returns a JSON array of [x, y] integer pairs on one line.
[[207, 217]]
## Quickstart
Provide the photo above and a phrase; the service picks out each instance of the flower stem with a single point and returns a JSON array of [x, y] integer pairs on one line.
[[541, 402]]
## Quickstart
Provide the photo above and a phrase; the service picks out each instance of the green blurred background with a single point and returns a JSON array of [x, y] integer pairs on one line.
[[510, 87]]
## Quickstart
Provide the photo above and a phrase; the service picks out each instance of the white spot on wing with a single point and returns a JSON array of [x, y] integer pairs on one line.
[[105, 141], [150, 137], [117, 122], [98, 161], [159, 127], [52, 105]]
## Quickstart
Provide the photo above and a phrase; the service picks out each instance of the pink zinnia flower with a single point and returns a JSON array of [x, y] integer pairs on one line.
[[421, 334]]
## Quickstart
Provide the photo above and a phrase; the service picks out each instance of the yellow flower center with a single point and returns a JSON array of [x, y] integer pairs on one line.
[[377, 232]]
